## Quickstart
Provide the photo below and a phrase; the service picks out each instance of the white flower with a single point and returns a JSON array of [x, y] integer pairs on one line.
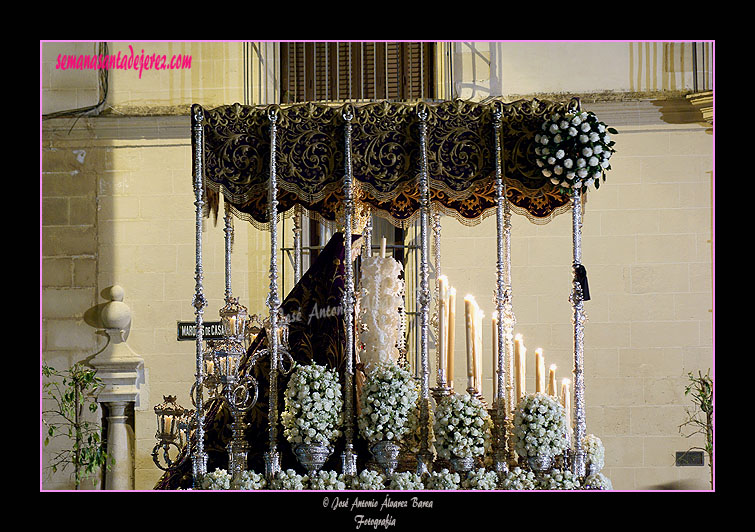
[[587, 151], [581, 163], [568, 163], [602, 127], [560, 154], [598, 149], [585, 127], [555, 181], [589, 182], [546, 172], [577, 184], [557, 139], [558, 170], [573, 132], [594, 137], [569, 175], [593, 161], [544, 140], [604, 163], [551, 160], [553, 128], [564, 124], [540, 163], [576, 121], [606, 138], [582, 172]]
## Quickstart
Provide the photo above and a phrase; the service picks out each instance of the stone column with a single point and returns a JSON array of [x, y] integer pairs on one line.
[[118, 367]]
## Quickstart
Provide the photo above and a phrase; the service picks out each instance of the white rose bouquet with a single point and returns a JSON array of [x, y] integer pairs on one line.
[[249, 480], [313, 410], [594, 452], [573, 150], [443, 480], [289, 480], [388, 398], [539, 426], [558, 480], [368, 480], [326, 480], [462, 427], [520, 479], [597, 481], [480, 479], [406, 480], [219, 479]]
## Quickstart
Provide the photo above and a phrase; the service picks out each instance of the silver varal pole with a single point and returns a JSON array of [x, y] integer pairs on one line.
[[272, 457], [199, 457], [504, 309], [578, 464], [424, 457], [348, 458]]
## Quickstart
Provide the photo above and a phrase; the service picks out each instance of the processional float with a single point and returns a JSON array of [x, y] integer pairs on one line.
[[403, 161]]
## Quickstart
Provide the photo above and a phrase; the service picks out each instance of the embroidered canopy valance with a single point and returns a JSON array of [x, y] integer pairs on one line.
[[385, 155]]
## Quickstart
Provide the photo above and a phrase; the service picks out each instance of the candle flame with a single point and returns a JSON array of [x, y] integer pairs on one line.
[[553, 367], [518, 337]]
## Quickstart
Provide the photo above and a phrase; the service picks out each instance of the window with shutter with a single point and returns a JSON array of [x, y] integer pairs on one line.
[[338, 71]]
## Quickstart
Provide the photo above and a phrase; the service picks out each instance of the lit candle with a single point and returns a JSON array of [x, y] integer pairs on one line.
[[552, 381], [168, 424], [382, 248], [451, 336], [442, 323], [519, 354], [494, 322], [478, 349], [469, 321], [539, 371]]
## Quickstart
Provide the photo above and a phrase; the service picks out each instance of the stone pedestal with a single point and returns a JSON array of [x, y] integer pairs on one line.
[[118, 367]]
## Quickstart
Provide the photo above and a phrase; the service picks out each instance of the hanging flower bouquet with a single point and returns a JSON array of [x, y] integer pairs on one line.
[[406, 480], [462, 427], [594, 453], [480, 479], [313, 406], [539, 426], [558, 480], [520, 479], [443, 480], [289, 480], [388, 398], [326, 480], [219, 479], [573, 150], [249, 480], [368, 480]]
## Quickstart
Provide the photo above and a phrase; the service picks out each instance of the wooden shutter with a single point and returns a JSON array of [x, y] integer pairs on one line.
[[356, 71]]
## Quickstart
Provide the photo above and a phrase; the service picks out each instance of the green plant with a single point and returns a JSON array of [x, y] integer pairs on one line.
[[70, 392], [700, 419]]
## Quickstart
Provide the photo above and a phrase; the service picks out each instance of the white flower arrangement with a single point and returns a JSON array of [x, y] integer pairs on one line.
[[443, 480], [219, 479], [539, 426], [326, 480], [520, 479], [462, 427], [594, 452], [480, 479], [406, 480], [368, 480], [574, 149], [597, 481], [289, 480], [249, 480], [380, 290], [389, 397], [558, 480], [313, 406]]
